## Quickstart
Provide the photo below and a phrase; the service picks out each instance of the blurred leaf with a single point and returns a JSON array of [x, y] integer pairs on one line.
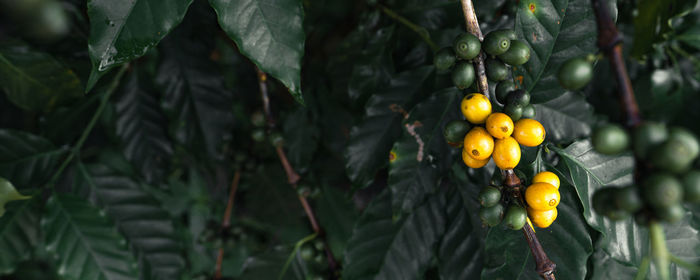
[[84, 241], [381, 248], [380, 128], [690, 36], [269, 265], [19, 233], [566, 117], [337, 215], [194, 96], [567, 242], [270, 34], [555, 32], [8, 193], [121, 33], [148, 228], [652, 22], [65, 124], [460, 255], [371, 65], [301, 137], [140, 127], [422, 154], [35, 81], [624, 242], [27, 160]]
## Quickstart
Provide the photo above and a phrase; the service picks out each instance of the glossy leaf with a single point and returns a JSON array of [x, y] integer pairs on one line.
[[337, 215], [123, 32], [85, 242], [568, 243], [8, 193], [138, 216], [381, 248], [376, 134], [139, 126], [421, 155], [27, 160], [19, 233], [35, 81], [460, 255], [194, 97], [653, 21], [566, 117], [270, 33], [555, 31]]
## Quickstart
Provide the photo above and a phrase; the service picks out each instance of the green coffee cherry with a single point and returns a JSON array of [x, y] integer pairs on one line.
[[517, 54], [647, 136], [455, 131], [671, 213], [258, 135], [306, 252], [519, 97], [502, 90], [489, 196], [688, 138], [529, 112], [575, 73], [258, 119], [463, 75], [691, 186], [674, 155], [508, 33], [467, 46], [276, 139], [495, 70], [515, 217], [444, 60], [628, 199], [610, 139], [496, 43], [491, 216], [662, 189], [514, 111]]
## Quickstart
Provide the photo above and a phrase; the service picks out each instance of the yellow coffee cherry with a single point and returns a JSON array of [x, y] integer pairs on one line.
[[478, 143], [471, 162], [499, 125], [476, 108], [542, 219], [529, 132], [542, 196], [546, 177], [506, 153]]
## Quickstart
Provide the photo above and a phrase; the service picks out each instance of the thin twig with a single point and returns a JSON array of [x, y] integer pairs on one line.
[[292, 176], [684, 264], [75, 150], [473, 28], [226, 223], [610, 42], [544, 266], [421, 31]]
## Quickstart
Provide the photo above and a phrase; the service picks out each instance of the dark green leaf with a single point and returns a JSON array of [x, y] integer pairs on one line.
[[301, 137], [337, 215], [381, 248], [27, 160], [85, 242], [65, 124], [383, 114], [140, 127], [691, 36], [566, 117], [270, 34], [459, 255], [555, 32], [270, 264], [19, 233], [567, 242], [653, 21], [372, 66], [422, 154], [148, 228], [34, 80], [121, 33], [194, 96]]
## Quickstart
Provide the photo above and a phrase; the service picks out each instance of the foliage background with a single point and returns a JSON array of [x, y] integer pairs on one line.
[[153, 175]]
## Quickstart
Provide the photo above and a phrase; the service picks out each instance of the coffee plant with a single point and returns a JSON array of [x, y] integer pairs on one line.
[[288, 139]]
